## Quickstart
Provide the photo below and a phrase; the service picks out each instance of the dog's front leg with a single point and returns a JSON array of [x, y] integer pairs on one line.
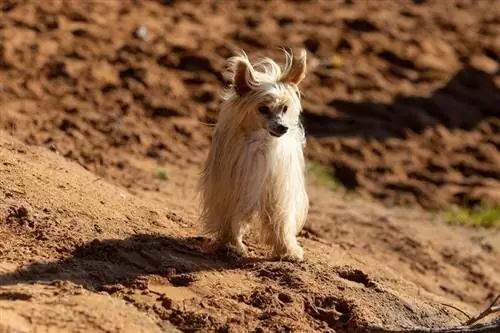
[[231, 235], [235, 243], [286, 247], [281, 229]]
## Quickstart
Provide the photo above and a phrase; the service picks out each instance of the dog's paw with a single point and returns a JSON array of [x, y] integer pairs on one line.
[[294, 254], [236, 251]]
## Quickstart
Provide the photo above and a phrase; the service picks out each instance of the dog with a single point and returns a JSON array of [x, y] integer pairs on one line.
[[256, 167]]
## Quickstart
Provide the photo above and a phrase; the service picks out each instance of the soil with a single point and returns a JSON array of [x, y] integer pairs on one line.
[[104, 113]]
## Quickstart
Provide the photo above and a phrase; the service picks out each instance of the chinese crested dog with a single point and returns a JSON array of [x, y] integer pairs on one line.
[[256, 168]]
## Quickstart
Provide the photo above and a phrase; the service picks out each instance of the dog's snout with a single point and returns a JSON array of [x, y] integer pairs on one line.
[[278, 130], [281, 129]]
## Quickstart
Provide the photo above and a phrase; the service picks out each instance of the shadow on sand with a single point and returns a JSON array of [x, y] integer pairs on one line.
[[103, 262]]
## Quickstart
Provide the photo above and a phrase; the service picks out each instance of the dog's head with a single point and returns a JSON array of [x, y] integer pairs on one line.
[[268, 94]]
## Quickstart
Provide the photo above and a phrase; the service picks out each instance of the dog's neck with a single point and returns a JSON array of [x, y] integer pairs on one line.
[[259, 136]]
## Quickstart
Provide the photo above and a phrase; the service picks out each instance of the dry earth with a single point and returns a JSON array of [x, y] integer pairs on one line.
[[402, 101]]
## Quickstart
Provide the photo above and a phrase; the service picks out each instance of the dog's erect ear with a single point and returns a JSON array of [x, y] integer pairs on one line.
[[243, 77], [296, 68]]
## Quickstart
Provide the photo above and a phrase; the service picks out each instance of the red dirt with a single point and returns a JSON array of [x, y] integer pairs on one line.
[[407, 113]]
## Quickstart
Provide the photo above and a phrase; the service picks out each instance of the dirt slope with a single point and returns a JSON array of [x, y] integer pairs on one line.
[[402, 101], [72, 239]]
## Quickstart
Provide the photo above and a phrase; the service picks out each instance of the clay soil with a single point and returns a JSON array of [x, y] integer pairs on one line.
[[104, 107]]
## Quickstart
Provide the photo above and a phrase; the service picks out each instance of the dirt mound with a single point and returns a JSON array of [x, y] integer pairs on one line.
[[73, 240], [435, 151], [65, 307]]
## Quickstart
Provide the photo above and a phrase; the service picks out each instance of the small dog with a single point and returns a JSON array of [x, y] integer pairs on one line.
[[256, 166]]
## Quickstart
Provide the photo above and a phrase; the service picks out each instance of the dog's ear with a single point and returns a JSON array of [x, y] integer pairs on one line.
[[296, 68], [243, 77]]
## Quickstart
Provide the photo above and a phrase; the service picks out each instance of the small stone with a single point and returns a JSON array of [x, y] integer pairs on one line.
[[435, 62], [141, 32], [484, 64]]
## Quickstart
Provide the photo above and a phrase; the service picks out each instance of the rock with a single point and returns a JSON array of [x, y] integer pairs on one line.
[[484, 63]]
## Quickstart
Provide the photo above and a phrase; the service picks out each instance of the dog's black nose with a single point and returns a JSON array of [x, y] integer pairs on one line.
[[281, 129]]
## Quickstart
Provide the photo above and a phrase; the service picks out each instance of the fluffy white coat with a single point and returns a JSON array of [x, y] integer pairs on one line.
[[253, 169]]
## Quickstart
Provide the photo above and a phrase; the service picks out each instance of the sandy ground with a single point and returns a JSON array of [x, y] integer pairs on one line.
[[401, 100]]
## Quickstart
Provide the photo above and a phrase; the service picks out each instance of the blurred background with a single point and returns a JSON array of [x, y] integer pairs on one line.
[[401, 103]]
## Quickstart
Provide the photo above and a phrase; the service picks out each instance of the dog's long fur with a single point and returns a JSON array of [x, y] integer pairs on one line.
[[250, 171]]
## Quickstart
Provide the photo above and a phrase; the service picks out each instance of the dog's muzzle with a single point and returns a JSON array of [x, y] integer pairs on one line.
[[278, 130]]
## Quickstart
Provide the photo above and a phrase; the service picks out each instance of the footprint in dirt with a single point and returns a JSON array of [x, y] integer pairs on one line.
[[333, 311], [355, 275]]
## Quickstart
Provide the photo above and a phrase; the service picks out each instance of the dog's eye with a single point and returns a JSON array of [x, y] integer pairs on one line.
[[264, 109], [285, 108]]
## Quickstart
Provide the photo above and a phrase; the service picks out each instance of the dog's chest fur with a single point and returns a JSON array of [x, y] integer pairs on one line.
[[273, 155]]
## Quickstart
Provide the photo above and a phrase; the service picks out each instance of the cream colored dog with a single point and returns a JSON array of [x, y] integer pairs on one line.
[[256, 167]]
